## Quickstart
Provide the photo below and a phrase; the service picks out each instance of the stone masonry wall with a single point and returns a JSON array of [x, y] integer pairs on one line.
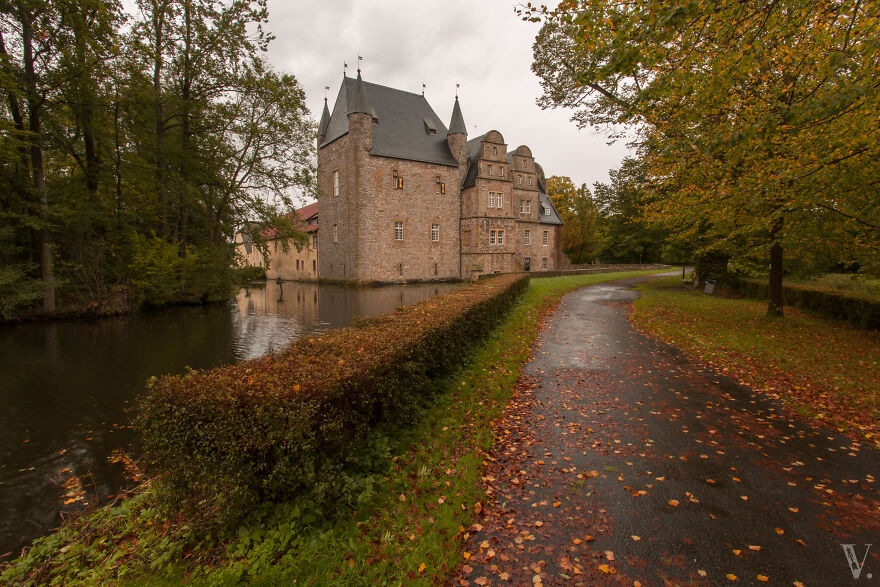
[[418, 206]]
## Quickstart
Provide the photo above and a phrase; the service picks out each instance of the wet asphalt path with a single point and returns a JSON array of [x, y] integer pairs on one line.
[[620, 461]]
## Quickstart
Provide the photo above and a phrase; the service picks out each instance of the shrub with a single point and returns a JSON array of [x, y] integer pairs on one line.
[[859, 310], [312, 421]]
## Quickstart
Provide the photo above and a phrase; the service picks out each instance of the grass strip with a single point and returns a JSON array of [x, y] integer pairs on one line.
[[825, 371], [408, 525]]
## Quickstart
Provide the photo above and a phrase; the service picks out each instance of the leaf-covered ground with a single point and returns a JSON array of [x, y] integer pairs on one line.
[[621, 461], [824, 370]]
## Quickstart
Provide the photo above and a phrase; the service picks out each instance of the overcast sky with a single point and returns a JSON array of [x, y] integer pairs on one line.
[[481, 45]]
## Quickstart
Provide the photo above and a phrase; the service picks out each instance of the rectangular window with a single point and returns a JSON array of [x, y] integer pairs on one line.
[[398, 231], [437, 184], [499, 200], [528, 236], [335, 183], [501, 171], [519, 179], [335, 233], [546, 237], [314, 265], [522, 206], [396, 180], [492, 236], [488, 170], [491, 199], [544, 263], [314, 241], [435, 232], [500, 237], [528, 206], [530, 181]]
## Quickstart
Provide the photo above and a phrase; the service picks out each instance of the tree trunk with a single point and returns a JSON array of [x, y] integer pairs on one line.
[[159, 40], [36, 156], [775, 306]]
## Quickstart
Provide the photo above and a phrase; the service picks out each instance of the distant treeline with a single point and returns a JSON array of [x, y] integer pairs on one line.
[[133, 145]]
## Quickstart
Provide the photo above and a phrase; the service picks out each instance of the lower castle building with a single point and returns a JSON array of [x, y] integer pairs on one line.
[[404, 198]]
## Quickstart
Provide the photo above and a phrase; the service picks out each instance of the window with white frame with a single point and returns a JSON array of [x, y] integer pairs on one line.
[[543, 262], [519, 179], [496, 237], [435, 232], [335, 183], [398, 231], [492, 234], [335, 233], [530, 181], [491, 199], [488, 170], [314, 241], [528, 206], [522, 206], [546, 237], [499, 200], [500, 237], [501, 171], [528, 236]]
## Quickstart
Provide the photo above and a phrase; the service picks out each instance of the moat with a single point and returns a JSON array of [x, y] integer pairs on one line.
[[67, 388]]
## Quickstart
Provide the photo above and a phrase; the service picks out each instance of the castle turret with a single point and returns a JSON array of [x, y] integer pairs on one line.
[[360, 115], [456, 136], [325, 122]]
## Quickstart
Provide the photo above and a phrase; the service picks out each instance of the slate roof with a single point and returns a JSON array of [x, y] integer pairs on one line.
[[325, 120], [456, 123], [546, 204], [404, 120]]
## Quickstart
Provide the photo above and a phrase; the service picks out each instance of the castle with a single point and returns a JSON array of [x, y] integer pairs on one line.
[[404, 198]]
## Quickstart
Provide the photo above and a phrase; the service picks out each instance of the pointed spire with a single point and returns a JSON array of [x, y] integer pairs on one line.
[[325, 120], [359, 103], [457, 125]]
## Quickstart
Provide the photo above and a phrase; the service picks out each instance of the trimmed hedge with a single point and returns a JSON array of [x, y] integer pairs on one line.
[[858, 311], [313, 420]]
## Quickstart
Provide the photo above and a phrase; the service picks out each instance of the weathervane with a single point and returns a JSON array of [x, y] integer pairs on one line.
[[423, 88], [326, 89], [456, 90], [344, 69], [359, 63]]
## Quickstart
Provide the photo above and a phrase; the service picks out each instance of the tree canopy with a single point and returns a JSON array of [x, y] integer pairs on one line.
[[134, 145], [757, 121]]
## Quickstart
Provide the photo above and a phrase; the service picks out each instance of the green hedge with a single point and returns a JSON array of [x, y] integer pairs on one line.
[[859, 311], [311, 421]]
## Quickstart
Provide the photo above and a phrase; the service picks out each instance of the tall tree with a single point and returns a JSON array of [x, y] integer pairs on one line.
[[579, 214], [758, 120]]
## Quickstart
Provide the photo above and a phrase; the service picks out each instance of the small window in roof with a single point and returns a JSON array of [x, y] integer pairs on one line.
[[430, 127]]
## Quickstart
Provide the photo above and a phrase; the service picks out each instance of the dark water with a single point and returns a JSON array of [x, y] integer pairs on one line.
[[66, 387]]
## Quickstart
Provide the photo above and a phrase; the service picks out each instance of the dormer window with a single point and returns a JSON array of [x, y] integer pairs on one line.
[[375, 120], [396, 180], [430, 128]]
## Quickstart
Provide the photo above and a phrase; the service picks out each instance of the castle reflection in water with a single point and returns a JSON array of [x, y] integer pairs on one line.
[[272, 314]]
